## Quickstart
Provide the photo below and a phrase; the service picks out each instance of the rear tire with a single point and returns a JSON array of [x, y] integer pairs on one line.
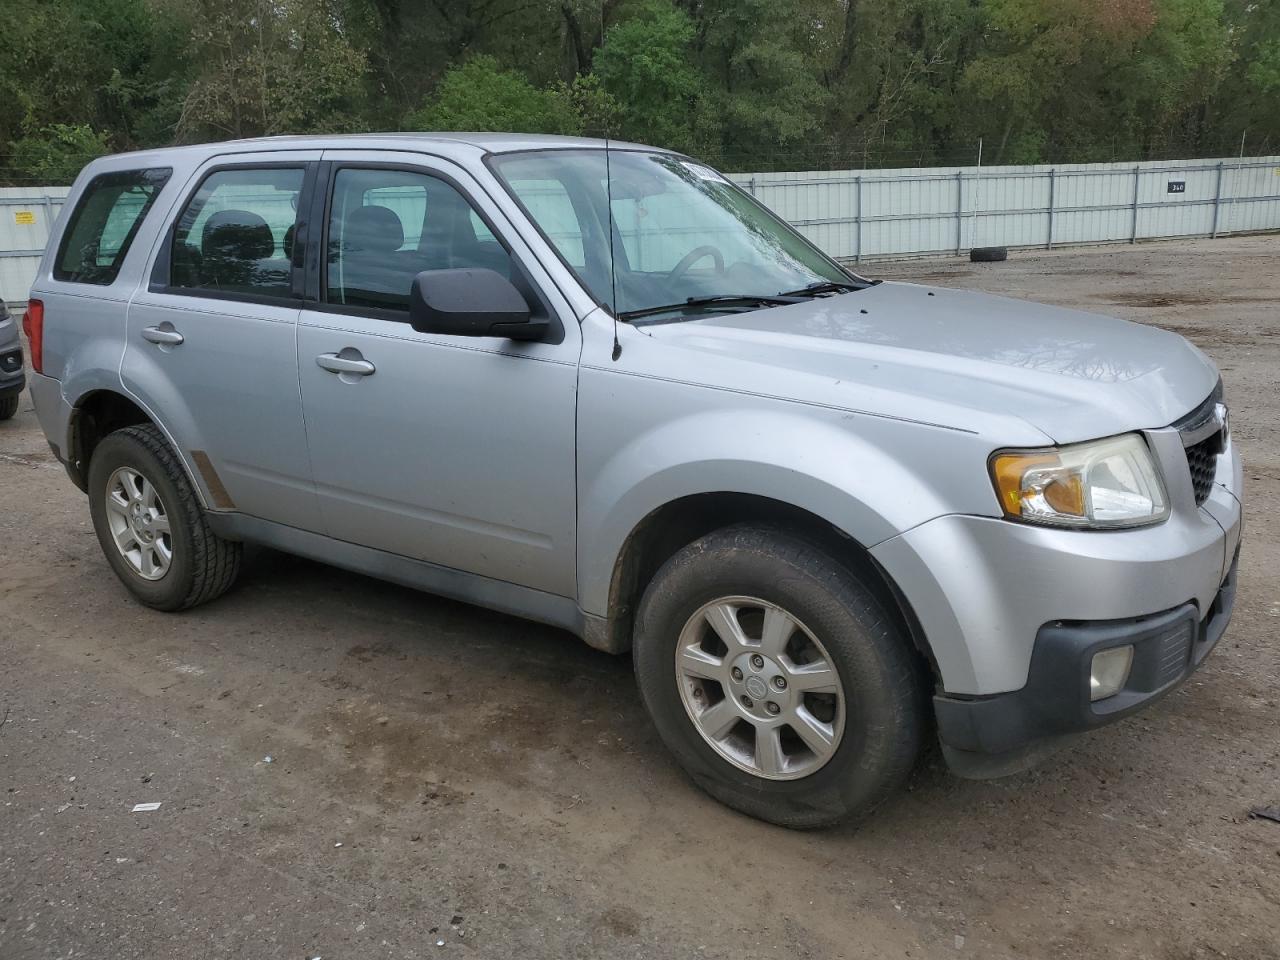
[[8, 407], [151, 526], [870, 705]]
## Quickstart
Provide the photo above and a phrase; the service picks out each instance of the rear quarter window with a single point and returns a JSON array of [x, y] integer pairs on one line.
[[104, 223]]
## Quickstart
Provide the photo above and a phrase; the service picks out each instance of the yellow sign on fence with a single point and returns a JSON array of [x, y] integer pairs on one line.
[[24, 218]]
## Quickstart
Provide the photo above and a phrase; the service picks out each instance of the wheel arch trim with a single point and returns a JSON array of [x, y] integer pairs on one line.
[[80, 470]]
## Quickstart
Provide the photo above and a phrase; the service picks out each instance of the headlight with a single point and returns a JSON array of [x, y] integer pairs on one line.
[[1101, 484]]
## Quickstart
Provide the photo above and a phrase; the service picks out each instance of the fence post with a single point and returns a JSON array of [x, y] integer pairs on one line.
[[959, 212], [1053, 182], [751, 186], [1217, 202], [857, 220], [1137, 178]]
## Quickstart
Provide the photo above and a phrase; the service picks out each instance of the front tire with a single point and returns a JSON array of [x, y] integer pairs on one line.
[[150, 525], [776, 679], [8, 406]]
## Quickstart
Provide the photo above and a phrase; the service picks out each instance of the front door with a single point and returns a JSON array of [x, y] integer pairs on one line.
[[454, 450], [211, 339]]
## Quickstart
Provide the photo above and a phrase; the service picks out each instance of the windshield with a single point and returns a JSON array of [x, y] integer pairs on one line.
[[681, 231]]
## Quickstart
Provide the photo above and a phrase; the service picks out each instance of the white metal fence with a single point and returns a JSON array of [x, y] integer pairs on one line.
[[866, 214], [861, 214], [27, 215]]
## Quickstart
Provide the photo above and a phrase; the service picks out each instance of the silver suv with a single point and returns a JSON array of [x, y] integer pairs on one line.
[[607, 390]]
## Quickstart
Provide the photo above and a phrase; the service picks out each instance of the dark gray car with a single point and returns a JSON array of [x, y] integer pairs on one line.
[[12, 377], [610, 391]]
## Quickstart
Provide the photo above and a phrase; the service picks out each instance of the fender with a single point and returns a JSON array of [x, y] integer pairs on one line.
[[178, 422], [94, 367], [832, 464]]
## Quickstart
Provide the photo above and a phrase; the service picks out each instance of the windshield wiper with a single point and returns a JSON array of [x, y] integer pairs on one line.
[[720, 299], [821, 286]]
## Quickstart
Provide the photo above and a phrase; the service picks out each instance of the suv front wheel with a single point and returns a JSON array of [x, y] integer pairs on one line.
[[777, 679], [151, 526]]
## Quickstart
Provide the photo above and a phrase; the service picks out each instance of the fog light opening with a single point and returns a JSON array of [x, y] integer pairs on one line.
[[1109, 672]]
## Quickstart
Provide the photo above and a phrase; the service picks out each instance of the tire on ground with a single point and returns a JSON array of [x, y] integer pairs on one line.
[[884, 704], [8, 407], [204, 566], [988, 254]]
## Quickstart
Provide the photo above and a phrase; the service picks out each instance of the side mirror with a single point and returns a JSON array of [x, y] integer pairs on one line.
[[471, 302]]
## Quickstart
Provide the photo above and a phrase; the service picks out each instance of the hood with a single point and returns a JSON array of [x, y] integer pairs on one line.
[[956, 358]]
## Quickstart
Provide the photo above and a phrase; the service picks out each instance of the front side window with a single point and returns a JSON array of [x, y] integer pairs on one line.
[[236, 235], [104, 223], [680, 230], [387, 226]]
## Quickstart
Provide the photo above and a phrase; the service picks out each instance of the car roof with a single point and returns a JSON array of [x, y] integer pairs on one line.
[[448, 143]]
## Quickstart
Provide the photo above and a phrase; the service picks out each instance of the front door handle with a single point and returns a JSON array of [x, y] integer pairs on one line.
[[354, 365], [163, 334]]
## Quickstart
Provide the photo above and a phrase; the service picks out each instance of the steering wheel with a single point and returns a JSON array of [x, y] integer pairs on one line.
[[693, 256]]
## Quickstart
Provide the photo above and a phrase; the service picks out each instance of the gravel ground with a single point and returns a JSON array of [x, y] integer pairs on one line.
[[445, 775]]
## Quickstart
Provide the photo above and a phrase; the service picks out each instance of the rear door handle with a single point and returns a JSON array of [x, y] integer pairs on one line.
[[336, 363], [165, 335]]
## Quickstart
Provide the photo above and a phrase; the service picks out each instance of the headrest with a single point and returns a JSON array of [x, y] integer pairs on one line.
[[237, 235], [372, 229], [287, 242]]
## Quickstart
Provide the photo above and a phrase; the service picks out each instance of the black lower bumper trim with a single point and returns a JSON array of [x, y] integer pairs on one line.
[[1167, 648]]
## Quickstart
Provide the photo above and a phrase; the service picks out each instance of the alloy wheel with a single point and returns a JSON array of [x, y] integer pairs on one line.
[[139, 523], [760, 688]]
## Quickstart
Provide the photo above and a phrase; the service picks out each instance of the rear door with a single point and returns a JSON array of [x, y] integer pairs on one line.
[[211, 338], [454, 450]]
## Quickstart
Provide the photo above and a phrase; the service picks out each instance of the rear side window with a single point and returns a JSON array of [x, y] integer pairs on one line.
[[104, 223], [236, 235]]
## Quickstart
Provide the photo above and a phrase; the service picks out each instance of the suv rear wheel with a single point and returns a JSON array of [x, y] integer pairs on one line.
[[776, 679], [151, 526]]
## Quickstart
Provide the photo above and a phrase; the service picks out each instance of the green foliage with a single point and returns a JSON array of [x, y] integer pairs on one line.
[[55, 154], [264, 67], [1264, 72], [646, 65], [481, 95], [759, 74], [745, 83]]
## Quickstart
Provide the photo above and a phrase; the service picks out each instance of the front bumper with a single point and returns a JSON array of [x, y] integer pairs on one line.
[[1013, 612], [1168, 647]]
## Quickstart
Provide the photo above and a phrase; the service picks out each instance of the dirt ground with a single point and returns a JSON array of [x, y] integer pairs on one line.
[[444, 775]]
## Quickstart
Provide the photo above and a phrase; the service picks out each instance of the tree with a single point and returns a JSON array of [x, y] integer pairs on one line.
[[745, 83], [480, 95], [56, 153], [646, 66], [1091, 79], [75, 62], [762, 74], [263, 67]]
